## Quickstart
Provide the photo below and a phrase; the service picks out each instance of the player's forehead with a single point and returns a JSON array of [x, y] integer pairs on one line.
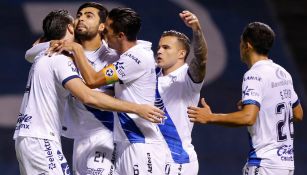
[[89, 10], [169, 41]]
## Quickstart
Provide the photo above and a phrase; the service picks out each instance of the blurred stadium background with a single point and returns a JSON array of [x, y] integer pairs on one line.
[[220, 150]]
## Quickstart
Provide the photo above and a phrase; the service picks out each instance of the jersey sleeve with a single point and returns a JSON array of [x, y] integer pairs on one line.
[[35, 50], [195, 87], [129, 68], [252, 92], [294, 98], [64, 69]]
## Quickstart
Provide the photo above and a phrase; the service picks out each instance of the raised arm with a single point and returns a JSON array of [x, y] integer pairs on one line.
[[197, 67]]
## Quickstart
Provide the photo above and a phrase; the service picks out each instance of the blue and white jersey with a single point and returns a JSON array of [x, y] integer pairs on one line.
[[270, 87], [81, 120], [175, 92], [45, 98], [136, 72]]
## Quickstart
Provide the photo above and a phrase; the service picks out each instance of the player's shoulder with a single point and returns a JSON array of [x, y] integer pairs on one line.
[[254, 74]]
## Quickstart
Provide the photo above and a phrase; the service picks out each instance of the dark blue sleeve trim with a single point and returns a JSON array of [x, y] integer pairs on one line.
[[69, 78], [251, 102], [296, 103]]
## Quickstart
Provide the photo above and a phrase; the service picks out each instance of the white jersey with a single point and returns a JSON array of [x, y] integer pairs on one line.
[[270, 87], [81, 120], [45, 98], [176, 91], [136, 72]]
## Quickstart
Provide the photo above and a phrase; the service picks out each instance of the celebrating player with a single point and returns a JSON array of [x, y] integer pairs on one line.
[[269, 106]]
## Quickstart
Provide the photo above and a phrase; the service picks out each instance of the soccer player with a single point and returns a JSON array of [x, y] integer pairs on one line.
[[90, 128], [139, 145], [179, 86], [51, 80], [269, 106]]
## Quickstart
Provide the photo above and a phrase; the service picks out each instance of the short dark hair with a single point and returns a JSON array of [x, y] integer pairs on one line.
[[55, 24], [127, 21], [182, 38], [103, 12], [260, 36]]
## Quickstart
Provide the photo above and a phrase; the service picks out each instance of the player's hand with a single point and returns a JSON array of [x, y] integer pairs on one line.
[[201, 115], [150, 113], [190, 19], [59, 46]]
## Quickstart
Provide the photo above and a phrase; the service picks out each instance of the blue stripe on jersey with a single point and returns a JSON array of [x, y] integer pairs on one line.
[[105, 117], [251, 102], [296, 103], [170, 133], [252, 160], [69, 78], [131, 130]]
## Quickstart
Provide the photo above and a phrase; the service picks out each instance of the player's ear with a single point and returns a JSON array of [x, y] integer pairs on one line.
[[182, 53], [121, 35], [101, 27], [70, 28]]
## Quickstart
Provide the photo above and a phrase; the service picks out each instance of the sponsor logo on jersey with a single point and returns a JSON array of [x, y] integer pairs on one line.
[[23, 121], [281, 83], [120, 68], [252, 78], [93, 171], [250, 92], [64, 164], [49, 154], [285, 152], [149, 163], [133, 57]]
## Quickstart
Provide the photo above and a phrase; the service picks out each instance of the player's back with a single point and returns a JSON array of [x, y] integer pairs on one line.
[[136, 70], [272, 134], [45, 98]]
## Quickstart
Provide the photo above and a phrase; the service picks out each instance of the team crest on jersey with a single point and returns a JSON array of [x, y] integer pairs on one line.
[[280, 74]]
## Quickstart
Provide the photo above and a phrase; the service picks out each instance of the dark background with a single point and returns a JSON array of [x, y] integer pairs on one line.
[[220, 150]]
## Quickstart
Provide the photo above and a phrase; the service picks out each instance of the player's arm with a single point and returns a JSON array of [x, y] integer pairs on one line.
[[92, 78], [35, 50], [298, 112], [102, 101], [246, 117], [197, 67]]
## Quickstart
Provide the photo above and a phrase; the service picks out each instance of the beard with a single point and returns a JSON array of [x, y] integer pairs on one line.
[[85, 35]]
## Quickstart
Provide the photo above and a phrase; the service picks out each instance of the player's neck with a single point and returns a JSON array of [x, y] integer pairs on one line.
[[92, 44], [126, 45], [173, 68], [254, 58]]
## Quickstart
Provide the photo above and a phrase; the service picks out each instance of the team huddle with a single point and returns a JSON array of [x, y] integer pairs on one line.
[[130, 113]]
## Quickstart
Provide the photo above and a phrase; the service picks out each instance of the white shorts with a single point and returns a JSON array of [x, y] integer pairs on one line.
[[182, 169], [140, 159], [92, 155], [258, 170], [40, 157]]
